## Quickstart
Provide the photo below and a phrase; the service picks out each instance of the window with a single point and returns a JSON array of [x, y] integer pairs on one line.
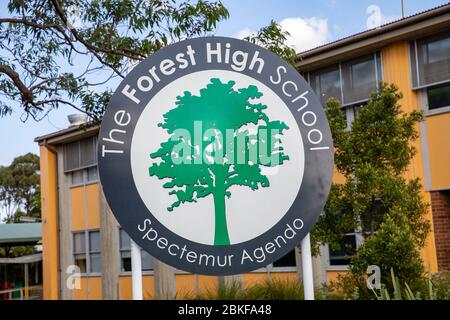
[[342, 255], [83, 176], [287, 261], [350, 82], [94, 251], [438, 96], [437, 50], [327, 84], [360, 77], [79, 251], [87, 253], [430, 60], [125, 254], [80, 154]]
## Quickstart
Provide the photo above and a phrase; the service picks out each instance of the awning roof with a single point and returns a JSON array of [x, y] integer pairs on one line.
[[22, 260], [17, 234]]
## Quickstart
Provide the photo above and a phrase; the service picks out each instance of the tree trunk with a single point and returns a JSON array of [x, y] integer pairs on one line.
[[221, 230]]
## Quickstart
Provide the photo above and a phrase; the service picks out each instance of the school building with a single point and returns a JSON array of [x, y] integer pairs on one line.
[[79, 230]]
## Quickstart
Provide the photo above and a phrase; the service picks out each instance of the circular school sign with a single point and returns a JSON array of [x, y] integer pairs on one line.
[[215, 156]]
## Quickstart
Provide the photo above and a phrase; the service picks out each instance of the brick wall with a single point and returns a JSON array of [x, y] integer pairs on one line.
[[440, 204]]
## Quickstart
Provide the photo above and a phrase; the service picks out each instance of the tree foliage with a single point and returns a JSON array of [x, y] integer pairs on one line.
[[20, 188], [217, 161], [376, 198], [57, 53], [273, 38], [65, 52]]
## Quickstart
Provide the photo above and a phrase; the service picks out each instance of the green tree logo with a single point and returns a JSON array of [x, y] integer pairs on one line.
[[218, 139]]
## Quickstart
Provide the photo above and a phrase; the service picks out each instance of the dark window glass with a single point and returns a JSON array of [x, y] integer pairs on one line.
[[77, 177], [360, 78], [437, 50], [430, 60], [362, 74], [92, 174], [326, 84], [80, 261], [94, 241], [438, 96], [79, 243], [347, 248], [286, 261], [125, 254], [79, 250], [96, 265], [146, 261]]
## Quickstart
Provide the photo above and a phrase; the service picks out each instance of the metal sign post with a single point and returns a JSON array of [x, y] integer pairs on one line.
[[308, 278], [136, 271]]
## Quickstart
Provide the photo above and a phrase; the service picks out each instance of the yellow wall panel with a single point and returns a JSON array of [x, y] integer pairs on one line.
[[438, 130], [49, 213], [185, 284], [95, 288], [93, 206], [396, 69], [332, 276], [81, 293], [207, 283], [253, 278], [125, 290], [77, 208]]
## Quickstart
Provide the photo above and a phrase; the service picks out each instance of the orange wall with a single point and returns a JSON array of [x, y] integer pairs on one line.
[[85, 197], [332, 276], [253, 278], [438, 130], [49, 213], [93, 206], [396, 70], [86, 215], [125, 291], [90, 289], [186, 286], [77, 204]]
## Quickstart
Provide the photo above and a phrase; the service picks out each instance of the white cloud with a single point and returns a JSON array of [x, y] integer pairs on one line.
[[305, 33]]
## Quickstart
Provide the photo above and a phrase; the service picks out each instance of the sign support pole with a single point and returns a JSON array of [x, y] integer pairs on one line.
[[308, 278], [136, 271]]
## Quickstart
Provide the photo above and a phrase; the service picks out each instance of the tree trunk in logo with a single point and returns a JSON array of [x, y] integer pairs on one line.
[[221, 237]]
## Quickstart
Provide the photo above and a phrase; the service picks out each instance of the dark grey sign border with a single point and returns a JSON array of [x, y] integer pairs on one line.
[[117, 182]]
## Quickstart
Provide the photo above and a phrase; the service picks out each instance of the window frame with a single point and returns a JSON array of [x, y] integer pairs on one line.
[[144, 271], [85, 177], [94, 143], [414, 64], [424, 105], [376, 57], [326, 252], [87, 251]]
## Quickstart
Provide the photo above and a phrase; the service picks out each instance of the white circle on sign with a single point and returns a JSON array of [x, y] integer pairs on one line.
[[249, 213]]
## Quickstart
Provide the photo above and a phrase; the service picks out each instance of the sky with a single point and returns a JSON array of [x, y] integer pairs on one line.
[[310, 23]]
